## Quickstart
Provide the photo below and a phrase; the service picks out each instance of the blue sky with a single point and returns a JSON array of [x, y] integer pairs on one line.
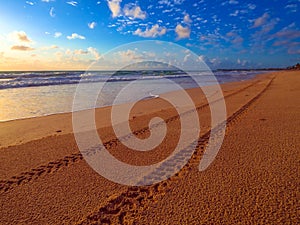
[[63, 34]]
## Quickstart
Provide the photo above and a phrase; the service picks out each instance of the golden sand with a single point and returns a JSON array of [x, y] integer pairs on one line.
[[254, 179]]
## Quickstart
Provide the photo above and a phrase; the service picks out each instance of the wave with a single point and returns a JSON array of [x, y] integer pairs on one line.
[[35, 79]]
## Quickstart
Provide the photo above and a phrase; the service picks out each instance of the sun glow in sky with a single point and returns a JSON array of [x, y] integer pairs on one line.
[[69, 35]]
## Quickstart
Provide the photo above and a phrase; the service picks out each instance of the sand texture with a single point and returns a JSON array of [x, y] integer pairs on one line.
[[253, 180]]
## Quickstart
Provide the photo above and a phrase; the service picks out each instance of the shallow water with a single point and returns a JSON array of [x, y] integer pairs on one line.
[[32, 94]]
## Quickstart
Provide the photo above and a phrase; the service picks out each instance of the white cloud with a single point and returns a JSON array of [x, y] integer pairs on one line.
[[57, 34], [155, 31], [29, 3], [76, 36], [167, 10], [170, 3], [202, 58], [164, 2], [48, 0], [114, 6], [92, 25], [233, 2], [251, 6], [134, 11], [51, 12], [261, 20], [182, 32], [241, 62], [236, 13], [178, 2], [94, 52], [187, 19], [73, 3], [186, 57], [291, 7]]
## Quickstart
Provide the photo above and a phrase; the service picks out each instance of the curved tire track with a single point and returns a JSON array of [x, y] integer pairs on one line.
[[123, 208], [53, 166]]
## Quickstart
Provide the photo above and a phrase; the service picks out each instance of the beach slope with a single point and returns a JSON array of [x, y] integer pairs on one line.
[[254, 178]]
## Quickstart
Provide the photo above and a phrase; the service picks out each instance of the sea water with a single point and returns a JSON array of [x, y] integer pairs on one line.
[[33, 94]]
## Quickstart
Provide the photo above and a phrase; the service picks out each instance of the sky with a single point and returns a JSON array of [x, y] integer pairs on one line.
[[70, 35]]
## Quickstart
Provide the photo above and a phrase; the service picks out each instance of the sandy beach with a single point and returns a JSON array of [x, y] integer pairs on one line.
[[253, 180]]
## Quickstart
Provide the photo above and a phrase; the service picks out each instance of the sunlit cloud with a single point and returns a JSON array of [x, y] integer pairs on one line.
[[21, 48], [182, 32], [286, 38], [115, 8], [154, 31], [128, 56], [261, 20], [20, 36], [78, 55], [94, 52], [287, 34], [50, 47], [134, 11], [187, 19], [234, 38], [233, 26], [80, 52], [76, 36]]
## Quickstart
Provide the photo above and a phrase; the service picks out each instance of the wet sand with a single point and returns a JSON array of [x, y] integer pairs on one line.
[[254, 178]]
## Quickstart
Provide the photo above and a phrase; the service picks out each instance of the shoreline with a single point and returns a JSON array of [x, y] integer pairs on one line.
[[70, 110], [61, 123]]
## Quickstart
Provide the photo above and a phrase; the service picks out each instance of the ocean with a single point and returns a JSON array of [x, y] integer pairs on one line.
[[33, 94]]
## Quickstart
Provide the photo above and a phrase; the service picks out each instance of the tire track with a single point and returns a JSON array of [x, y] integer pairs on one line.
[[124, 208], [35, 173], [53, 166]]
